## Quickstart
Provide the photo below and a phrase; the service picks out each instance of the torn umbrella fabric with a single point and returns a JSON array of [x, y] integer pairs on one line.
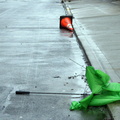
[[103, 92]]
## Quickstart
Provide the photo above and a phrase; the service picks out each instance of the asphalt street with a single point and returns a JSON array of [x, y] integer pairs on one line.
[[35, 55]]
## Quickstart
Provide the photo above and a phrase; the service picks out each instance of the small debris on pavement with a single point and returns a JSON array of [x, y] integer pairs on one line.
[[57, 77]]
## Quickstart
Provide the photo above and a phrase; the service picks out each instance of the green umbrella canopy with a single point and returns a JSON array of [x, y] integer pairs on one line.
[[98, 82], [105, 98], [81, 105], [112, 87], [96, 79], [95, 100]]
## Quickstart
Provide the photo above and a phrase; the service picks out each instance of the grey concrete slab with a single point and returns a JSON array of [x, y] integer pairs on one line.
[[37, 51], [34, 50], [100, 25], [95, 8], [46, 107]]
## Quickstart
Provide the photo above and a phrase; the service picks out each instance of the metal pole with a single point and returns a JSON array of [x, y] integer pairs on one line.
[[28, 92]]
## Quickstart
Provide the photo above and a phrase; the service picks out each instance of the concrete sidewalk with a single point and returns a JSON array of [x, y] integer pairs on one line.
[[97, 25]]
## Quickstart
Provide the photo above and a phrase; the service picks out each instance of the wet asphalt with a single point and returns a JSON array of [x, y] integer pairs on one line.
[[37, 56]]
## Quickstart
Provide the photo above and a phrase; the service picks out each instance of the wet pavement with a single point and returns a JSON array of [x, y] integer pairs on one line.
[[35, 55]]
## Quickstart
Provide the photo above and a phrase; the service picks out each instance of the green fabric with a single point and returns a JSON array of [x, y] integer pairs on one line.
[[104, 99], [96, 79], [113, 87], [98, 82], [83, 104]]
